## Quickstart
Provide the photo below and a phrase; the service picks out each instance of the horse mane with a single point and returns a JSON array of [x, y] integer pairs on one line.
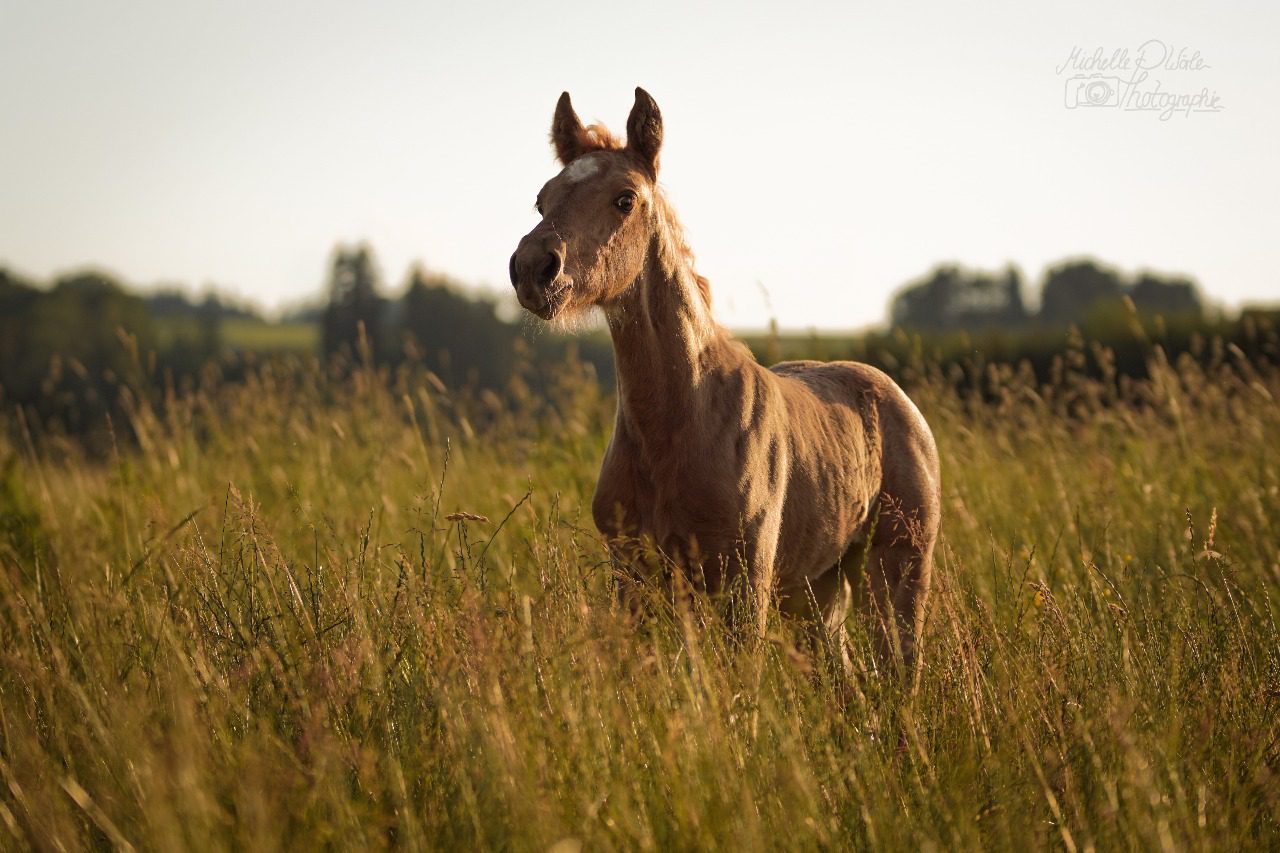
[[681, 245]]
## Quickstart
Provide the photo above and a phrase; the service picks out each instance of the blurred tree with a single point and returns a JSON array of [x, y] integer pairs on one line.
[[17, 299], [1175, 296], [353, 300], [951, 298], [81, 320], [189, 333], [67, 350], [174, 302], [1075, 289], [459, 337], [926, 304]]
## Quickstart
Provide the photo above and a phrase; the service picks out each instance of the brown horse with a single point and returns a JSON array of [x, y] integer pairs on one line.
[[798, 479]]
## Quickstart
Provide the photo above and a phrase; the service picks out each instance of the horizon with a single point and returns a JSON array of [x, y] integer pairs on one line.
[[236, 148], [510, 311]]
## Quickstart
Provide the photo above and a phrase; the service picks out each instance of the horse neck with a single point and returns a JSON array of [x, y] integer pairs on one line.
[[663, 334]]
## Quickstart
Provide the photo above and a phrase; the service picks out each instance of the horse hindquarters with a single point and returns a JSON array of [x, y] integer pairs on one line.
[[898, 565], [897, 573]]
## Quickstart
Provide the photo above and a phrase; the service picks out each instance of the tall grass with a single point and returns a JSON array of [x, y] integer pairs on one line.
[[360, 611]]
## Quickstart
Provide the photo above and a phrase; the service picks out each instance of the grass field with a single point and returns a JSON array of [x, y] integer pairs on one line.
[[265, 624], [249, 335], [242, 335]]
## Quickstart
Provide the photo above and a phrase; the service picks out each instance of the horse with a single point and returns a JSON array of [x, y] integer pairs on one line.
[[806, 480]]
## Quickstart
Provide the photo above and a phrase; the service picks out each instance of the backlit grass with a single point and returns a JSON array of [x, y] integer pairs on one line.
[[361, 611]]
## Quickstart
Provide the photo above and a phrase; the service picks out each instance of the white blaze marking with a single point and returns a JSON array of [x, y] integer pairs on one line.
[[581, 169]]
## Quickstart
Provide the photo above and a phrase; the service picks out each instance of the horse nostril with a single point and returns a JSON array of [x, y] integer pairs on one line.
[[511, 269], [549, 270]]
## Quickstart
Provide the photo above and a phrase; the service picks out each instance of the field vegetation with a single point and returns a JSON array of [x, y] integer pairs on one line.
[[346, 606]]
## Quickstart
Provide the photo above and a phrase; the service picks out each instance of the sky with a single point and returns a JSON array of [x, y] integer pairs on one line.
[[820, 155]]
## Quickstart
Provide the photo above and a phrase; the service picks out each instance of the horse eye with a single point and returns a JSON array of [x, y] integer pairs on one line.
[[625, 202]]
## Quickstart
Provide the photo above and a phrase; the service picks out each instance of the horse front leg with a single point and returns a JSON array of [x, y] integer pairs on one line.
[[628, 579], [762, 556], [761, 577], [640, 573]]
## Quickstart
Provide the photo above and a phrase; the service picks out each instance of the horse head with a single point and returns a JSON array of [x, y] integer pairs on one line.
[[598, 215]]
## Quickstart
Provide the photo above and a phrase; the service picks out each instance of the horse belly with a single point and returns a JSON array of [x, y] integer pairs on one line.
[[828, 508]]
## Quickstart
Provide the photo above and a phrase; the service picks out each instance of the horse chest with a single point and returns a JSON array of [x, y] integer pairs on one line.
[[693, 492]]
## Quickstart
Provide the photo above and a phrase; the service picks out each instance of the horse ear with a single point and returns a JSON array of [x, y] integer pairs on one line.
[[566, 131], [644, 130]]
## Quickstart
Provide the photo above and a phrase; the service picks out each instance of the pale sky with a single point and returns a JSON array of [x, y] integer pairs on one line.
[[827, 152]]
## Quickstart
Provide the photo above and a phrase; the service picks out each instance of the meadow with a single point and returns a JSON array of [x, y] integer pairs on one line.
[[350, 608]]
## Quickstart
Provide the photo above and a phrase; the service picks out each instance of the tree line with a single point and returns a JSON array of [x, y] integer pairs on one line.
[[1074, 292], [69, 346], [453, 331]]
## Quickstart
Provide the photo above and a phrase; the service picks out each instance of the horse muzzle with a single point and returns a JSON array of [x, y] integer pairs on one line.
[[537, 274]]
